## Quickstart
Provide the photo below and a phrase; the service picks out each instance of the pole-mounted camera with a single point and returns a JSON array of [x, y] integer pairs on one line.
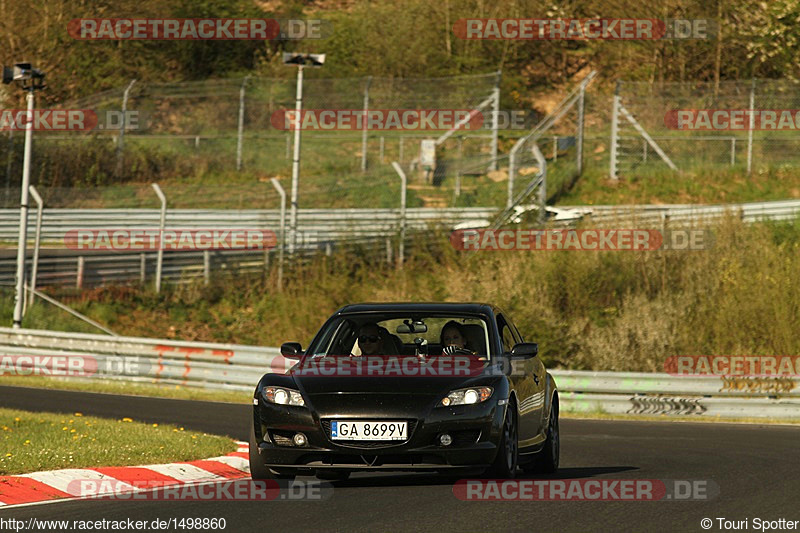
[[31, 78]]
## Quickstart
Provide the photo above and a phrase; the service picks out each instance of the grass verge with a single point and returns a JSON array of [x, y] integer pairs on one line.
[[175, 392], [32, 442]]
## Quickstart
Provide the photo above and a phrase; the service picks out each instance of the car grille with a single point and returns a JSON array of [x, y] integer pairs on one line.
[[466, 437], [368, 444]]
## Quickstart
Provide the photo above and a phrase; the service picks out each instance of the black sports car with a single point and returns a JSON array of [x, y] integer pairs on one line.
[[411, 387]]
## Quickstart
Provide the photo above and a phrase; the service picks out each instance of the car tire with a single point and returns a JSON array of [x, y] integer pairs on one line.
[[257, 468], [546, 460], [507, 459]]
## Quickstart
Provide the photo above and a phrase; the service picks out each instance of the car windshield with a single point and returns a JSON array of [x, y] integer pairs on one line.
[[372, 334]]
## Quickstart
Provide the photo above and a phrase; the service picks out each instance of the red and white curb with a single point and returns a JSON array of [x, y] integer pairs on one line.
[[60, 484]]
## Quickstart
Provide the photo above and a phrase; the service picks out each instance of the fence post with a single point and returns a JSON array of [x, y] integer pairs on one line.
[[750, 129], [459, 165], [555, 148], [537, 153], [121, 136], [512, 160], [495, 119], [37, 241], [9, 160], [240, 132], [206, 267], [404, 184], [364, 126], [400, 151], [381, 148], [142, 267], [733, 151], [580, 128], [282, 193], [162, 223], [614, 133], [79, 274]]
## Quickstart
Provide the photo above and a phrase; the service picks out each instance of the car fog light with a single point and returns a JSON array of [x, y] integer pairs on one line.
[[445, 439], [299, 440]]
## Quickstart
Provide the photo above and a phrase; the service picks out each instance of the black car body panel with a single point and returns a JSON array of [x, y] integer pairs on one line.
[[474, 430]]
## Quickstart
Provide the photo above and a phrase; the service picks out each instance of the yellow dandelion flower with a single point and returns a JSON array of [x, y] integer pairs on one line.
[[126, 419], [64, 428], [78, 414], [155, 425]]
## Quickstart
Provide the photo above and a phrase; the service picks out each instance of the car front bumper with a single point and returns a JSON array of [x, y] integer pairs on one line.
[[475, 431]]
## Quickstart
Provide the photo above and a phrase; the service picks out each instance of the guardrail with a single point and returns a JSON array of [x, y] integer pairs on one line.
[[316, 225], [238, 368], [655, 214]]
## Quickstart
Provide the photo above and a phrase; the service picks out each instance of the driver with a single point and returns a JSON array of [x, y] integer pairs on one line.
[[370, 340]]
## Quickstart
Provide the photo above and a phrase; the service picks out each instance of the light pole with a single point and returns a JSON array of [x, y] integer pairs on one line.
[[300, 60], [23, 72]]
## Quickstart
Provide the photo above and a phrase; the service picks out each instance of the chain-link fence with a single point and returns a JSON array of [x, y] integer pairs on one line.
[[222, 140], [550, 157], [700, 125]]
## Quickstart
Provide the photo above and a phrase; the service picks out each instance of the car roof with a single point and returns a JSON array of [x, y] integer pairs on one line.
[[473, 308]]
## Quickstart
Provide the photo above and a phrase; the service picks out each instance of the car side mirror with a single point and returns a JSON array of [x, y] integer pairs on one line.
[[524, 350], [291, 350]]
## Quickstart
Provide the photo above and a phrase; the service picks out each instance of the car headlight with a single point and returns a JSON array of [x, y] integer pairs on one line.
[[466, 396], [281, 396]]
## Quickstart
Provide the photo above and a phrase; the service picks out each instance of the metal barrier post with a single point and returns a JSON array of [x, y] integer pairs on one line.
[[162, 223]]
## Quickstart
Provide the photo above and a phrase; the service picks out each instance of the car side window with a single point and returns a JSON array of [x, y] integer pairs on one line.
[[515, 332], [506, 337]]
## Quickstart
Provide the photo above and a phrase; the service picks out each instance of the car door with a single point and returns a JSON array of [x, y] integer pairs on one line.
[[528, 379]]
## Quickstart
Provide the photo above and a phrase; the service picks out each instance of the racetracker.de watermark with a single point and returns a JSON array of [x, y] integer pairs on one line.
[[642, 490], [203, 29], [121, 239], [390, 366], [397, 119], [581, 239], [79, 120], [228, 490], [73, 365], [733, 119], [583, 29], [733, 365]]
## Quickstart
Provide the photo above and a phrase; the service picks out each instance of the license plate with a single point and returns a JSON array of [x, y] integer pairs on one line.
[[364, 430]]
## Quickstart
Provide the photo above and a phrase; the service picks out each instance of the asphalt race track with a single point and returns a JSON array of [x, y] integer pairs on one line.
[[757, 470]]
